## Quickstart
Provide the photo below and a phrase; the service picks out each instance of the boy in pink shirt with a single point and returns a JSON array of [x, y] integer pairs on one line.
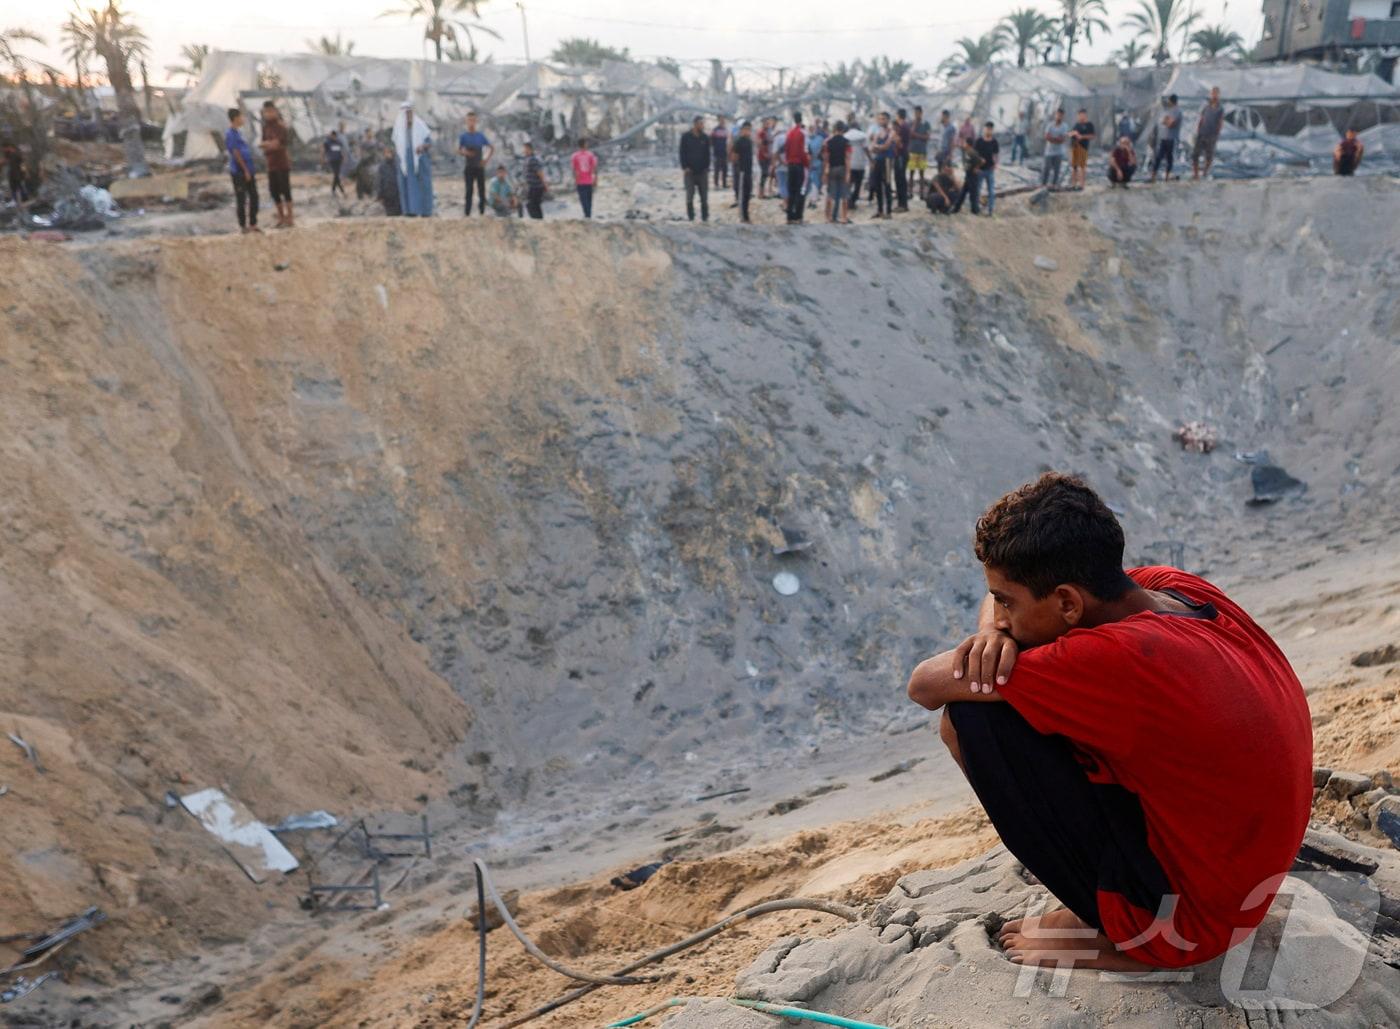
[[585, 163]]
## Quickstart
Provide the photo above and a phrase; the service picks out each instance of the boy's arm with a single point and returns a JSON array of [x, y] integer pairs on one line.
[[967, 672]]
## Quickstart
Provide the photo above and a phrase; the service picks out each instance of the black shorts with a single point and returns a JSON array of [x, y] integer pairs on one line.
[[279, 185], [1078, 837]]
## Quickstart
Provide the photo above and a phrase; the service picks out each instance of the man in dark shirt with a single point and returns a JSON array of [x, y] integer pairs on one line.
[[719, 159], [333, 152], [386, 189], [942, 191], [1208, 127], [989, 149], [695, 162], [1346, 158], [741, 154], [275, 149], [1081, 134], [836, 160], [973, 163], [476, 151], [535, 185], [919, 136]]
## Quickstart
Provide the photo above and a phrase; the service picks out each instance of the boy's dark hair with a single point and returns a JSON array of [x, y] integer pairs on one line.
[[901, 112], [1052, 531], [797, 117], [267, 104], [233, 113], [989, 125]]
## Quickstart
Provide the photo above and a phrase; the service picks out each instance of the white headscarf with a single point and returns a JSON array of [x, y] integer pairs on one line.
[[403, 145]]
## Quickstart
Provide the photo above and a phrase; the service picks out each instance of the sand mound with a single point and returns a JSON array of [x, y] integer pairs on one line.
[[928, 957], [596, 927], [378, 515]]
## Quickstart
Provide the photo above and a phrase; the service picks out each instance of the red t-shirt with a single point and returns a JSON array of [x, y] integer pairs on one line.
[[795, 147], [585, 164], [1203, 718]]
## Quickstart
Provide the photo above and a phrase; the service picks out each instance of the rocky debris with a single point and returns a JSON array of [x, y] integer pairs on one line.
[[927, 956], [1342, 785], [1388, 654], [1198, 437], [1045, 264], [1385, 818], [1271, 484], [1358, 801]]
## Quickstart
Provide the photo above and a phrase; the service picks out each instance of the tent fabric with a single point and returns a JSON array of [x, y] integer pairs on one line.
[[316, 92], [1255, 84]]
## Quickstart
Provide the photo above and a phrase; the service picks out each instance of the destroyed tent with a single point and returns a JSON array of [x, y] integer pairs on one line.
[[604, 101], [1286, 115], [316, 92], [1284, 99], [1000, 94]]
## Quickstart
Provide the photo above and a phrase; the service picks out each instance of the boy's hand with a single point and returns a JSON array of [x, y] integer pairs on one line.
[[985, 659]]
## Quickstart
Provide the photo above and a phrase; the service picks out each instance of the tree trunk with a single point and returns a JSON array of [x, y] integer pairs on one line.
[[128, 110], [146, 91]]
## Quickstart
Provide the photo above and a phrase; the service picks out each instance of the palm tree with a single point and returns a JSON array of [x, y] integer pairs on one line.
[[580, 51], [1023, 31], [1079, 19], [336, 47], [105, 32], [192, 56], [34, 116], [880, 72], [844, 78], [75, 50], [973, 53], [439, 22], [1129, 53], [1156, 20], [1213, 40]]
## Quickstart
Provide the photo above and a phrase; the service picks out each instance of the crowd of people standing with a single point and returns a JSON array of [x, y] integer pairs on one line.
[[829, 165]]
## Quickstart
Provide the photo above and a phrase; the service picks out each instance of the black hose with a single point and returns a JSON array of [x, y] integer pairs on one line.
[[484, 877], [481, 961], [791, 904]]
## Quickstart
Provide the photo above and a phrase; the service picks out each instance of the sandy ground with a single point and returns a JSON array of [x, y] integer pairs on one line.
[[645, 192], [313, 541], [424, 975]]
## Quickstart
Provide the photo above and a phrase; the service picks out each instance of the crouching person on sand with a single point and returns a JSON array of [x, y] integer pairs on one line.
[[1096, 713], [501, 193]]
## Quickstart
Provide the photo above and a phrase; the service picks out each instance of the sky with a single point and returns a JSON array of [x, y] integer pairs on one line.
[[803, 36]]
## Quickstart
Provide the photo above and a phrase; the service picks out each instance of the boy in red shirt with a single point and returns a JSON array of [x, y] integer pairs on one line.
[[585, 166], [1121, 716]]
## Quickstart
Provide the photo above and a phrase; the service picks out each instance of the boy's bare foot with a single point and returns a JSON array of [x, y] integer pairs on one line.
[[1063, 937]]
